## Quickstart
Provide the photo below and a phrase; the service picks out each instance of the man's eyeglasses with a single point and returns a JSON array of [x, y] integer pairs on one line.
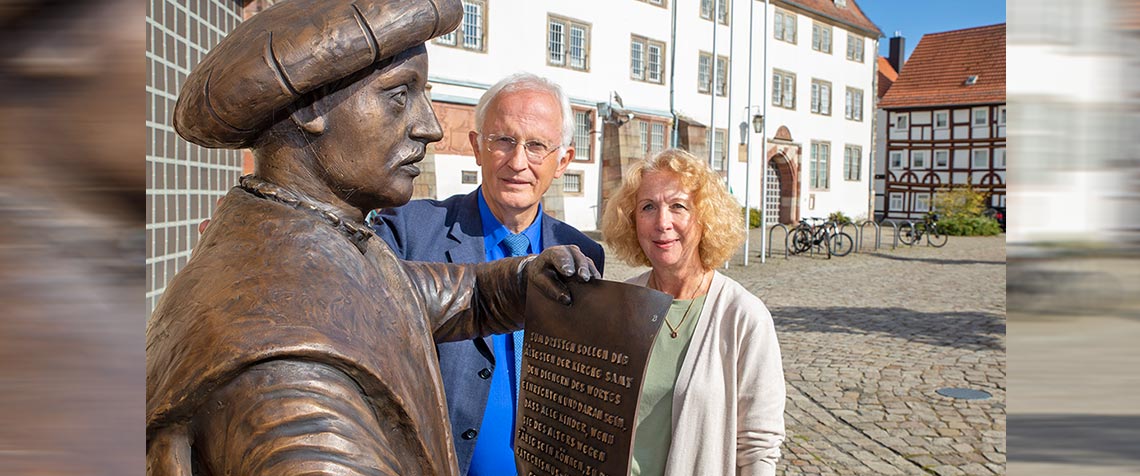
[[536, 151]]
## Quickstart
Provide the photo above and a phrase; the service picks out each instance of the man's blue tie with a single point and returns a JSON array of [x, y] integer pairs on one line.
[[517, 245]]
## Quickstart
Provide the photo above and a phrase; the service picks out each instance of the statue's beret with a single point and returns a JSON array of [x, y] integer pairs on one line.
[[290, 49]]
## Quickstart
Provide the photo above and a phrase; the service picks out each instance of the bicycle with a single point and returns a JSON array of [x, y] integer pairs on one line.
[[910, 235], [806, 235]]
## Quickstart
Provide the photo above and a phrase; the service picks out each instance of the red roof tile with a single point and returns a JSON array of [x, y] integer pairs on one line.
[[850, 15], [887, 76], [935, 74]]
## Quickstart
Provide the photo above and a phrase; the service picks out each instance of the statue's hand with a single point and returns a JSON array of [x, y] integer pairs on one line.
[[555, 265]]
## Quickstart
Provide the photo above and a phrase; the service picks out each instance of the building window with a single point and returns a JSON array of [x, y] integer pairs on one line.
[[1001, 116], [469, 177], [918, 159], [841, 3], [471, 32], [568, 43], [980, 159], [922, 202], [821, 37], [720, 150], [852, 162], [783, 89], [721, 13], [854, 47], [583, 139], [660, 3], [853, 109], [820, 171], [652, 136], [721, 75], [896, 201], [941, 159], [897, 159], [657, 138], [572, 183], [646, 60], [999, 158], [784, 26], [901, 122], [705, 73], [821, 97], [941, 119], [981, 117]]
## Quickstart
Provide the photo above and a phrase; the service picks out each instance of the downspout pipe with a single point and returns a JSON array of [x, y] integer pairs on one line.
[[764, 147], [675, 138]]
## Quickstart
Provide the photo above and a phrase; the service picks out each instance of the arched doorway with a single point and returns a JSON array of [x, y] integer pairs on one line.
[[772, 194]]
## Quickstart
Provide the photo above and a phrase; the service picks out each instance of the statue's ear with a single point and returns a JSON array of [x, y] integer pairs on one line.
[[309, 117]]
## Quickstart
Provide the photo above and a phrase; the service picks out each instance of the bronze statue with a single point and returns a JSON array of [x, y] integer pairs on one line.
[[294, 341]]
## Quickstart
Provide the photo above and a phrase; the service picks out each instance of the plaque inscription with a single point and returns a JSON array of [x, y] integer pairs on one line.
[[582, 371]]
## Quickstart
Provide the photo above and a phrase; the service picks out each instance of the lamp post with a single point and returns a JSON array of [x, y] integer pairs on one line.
[[758, 126]]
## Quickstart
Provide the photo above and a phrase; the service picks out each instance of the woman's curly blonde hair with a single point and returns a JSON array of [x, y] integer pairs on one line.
[[714, 209]]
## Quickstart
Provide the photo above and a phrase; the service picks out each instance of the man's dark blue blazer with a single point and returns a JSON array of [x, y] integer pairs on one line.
[[451, 231]]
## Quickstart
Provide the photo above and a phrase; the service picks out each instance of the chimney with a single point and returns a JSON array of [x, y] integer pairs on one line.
[[898, 49]]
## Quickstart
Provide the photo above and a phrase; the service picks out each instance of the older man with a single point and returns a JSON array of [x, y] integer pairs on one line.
[[294, 342], [522, 142]]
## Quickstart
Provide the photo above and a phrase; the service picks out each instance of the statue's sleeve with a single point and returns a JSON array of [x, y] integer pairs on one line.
[[471, 300], [292, 417]]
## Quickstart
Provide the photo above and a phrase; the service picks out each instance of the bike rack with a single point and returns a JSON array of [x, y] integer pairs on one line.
[[878, 235], [858, 235], [895, 226], [787, 233]]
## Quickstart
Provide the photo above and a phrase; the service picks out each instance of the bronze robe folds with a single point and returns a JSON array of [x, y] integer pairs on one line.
[[307, 354]]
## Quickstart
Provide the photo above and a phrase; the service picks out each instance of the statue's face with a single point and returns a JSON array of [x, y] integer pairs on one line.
[[376, 131]]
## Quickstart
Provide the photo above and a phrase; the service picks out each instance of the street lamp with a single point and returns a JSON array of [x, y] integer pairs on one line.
[[758, 123]]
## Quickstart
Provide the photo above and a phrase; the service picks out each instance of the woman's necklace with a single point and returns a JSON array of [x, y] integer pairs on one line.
[[673, 329]]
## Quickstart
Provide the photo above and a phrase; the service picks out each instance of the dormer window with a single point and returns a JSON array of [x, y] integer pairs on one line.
[[971, 80], [841, 3]]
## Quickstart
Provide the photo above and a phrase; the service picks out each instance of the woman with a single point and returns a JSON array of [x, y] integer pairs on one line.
[[713, 397]]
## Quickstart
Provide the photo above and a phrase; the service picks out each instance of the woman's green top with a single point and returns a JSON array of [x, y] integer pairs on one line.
[[654, 430]]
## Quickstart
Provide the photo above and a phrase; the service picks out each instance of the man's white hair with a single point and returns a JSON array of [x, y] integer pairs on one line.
[[528, 82]]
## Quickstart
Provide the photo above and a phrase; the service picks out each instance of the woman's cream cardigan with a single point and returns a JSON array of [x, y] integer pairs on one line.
[[728, 404]]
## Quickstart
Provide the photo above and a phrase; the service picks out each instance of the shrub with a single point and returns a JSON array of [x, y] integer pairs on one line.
[[962, 225], [960, 212], [839, 218], [959, 201], [753, 217]]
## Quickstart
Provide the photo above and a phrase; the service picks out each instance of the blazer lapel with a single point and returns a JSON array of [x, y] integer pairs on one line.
[[466, 232]]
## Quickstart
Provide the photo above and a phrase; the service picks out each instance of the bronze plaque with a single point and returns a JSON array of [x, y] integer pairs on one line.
[[582, 368]]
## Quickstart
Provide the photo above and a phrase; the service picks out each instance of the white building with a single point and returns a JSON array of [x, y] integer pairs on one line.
[[632, 77], [598, 50]]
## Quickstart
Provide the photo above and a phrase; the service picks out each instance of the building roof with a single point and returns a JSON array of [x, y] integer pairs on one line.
[[850, 15], [937, 71], [887, 76]]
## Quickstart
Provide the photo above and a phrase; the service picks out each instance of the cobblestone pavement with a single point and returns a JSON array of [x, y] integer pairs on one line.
[[867, 339]]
